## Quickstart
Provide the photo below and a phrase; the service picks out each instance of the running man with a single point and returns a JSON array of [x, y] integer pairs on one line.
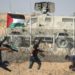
[[34, 55]]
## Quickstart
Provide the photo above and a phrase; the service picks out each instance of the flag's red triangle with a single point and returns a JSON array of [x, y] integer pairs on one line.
[[9, 20]]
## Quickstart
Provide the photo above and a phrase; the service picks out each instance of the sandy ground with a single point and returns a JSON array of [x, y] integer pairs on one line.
[[47, 68]]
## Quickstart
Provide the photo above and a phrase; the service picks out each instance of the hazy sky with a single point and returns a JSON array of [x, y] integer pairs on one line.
[[63, 7]]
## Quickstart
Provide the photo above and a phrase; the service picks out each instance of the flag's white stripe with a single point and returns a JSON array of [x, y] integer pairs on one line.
[[18, 20]]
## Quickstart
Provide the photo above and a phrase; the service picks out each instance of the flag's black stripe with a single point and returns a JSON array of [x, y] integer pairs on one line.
[[17, 16]]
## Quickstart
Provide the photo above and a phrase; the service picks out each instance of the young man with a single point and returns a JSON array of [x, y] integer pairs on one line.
[[34, 55]]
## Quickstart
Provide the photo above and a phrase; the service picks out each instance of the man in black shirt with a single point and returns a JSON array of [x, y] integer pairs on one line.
[[34, 55]]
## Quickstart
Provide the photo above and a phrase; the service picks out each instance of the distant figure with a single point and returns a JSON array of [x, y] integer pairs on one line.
[[72, 59], [34, 55]]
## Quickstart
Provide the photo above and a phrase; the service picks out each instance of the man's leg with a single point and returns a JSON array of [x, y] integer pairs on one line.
[[31, 62], [38, 61]]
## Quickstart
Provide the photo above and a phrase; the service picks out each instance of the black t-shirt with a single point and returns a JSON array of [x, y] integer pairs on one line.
[[36, 51]]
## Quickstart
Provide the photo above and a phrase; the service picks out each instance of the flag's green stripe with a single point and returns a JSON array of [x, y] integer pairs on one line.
[[13, 25]]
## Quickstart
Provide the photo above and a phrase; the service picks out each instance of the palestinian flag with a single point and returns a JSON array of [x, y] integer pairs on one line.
[[15, 20]]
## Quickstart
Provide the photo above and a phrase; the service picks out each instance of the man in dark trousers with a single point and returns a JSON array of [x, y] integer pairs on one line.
[[72, 59], [34, 55]]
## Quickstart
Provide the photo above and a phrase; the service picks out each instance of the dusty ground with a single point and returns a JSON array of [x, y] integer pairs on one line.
[[48, 68]]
